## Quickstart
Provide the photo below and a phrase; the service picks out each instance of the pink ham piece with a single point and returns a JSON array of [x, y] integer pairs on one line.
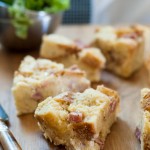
[[37, 96], [138, 133], [130, 35], [80, 44], [65, 97], [75, 117], [99, 142], [113, 105]]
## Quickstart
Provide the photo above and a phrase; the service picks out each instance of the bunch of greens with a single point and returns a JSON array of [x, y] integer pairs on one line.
[[20, 20], [50, 6]]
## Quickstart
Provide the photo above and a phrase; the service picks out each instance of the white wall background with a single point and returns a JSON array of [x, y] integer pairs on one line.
[[120, 11]]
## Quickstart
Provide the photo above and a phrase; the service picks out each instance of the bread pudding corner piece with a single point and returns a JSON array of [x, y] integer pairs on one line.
[[145, 124], [80, 121], [93, 57], [69, 52], [123, 48], [55, 46], [35, 80], [92, 61]]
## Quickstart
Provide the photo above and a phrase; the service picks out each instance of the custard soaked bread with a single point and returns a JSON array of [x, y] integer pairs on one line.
[[123, 48], [91, 60], [55, 46], [80, 121], [145, 125], [35, 80]]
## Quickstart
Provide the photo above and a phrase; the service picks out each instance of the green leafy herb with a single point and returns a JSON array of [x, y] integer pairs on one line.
[[50, 6], [21, 21]]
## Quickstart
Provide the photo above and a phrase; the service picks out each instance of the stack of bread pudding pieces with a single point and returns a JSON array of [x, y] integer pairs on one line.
[[58, 85], [68, 52]]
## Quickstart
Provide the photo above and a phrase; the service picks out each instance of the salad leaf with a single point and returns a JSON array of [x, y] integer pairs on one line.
[[50, 6], [20, 20], [35, 4], [57, 5]]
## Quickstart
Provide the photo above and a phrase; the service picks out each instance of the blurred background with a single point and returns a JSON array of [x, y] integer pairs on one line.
[[24, 20], [108, 12]]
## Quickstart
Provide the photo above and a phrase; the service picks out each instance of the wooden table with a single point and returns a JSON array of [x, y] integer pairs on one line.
[[25, 127]]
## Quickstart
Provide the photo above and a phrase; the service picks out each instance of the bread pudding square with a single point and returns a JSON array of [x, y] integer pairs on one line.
[[54, 46], [144, 131], [80, 121], [35, 80], [91, 60], [123, 48], [145, 136], [92, 57]]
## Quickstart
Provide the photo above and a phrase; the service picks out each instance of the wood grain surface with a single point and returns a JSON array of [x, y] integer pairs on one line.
[[25, 128]]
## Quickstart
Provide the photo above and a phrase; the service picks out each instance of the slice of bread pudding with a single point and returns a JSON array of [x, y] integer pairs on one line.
[[143, 133], [60, 46], [80, 121], [91, 60], [35, 80], [145, 137], [123, 48]]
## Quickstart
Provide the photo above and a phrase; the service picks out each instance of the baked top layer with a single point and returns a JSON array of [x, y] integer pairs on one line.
[[130, 35], [54, 46], [77, 119], [33, 71], [91, 57]]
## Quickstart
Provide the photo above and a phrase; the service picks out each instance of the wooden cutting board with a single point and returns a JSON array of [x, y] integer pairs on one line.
[[25, 129]]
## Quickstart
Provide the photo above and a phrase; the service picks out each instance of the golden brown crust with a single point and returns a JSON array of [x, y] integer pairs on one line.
[[91, 61], [145, 126], [65, 97], [145, 100], [84, 130], [92, 58], [70, 72], [134, 32], [145, 136], [25, 74], [146, 140], [55, 46], [107, 91], [70, 48]]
